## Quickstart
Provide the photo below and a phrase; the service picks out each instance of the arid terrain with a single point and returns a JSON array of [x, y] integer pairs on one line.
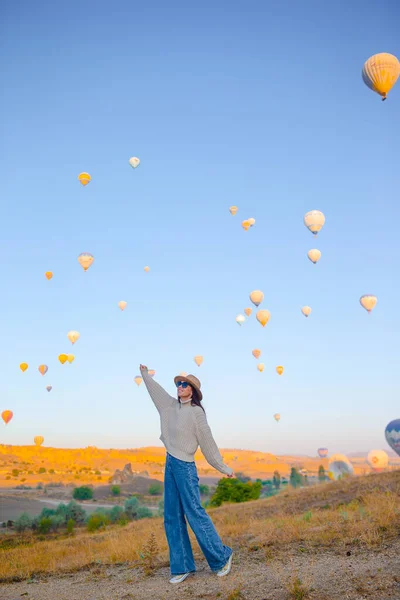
[[336, 541]]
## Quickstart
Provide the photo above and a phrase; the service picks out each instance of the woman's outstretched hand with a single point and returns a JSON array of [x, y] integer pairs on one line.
[[143, 368]]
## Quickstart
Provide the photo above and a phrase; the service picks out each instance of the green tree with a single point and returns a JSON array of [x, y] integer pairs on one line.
[[131, 506], [41, 470], [70, 526], [83, 493], [204, 489], [155, 489], [115, 490], [321, 473], [15, 472], [276, 481], [233, 490], [295, 478], [23, 522], [97, 521]]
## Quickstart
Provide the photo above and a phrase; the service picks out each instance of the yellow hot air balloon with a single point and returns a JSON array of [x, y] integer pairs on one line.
[[7, 415], [240, 319], [279, 370], [248, 311], [378, 459], [368, 302], [43, 369], [252, 222], [23, 367], [198, 360], [277, 417], [84, 178], [70, 358], [122, 304], [256, 297], [138, 380], [38, 439], [147, 269], [314, 255], [48, 275], [246, 225], [63, 358], [256, 353], [73, 336], [85, 259], [134, 162], [306, 310], [260, 367], [263, 317], [380, 73], [233, 210], [314, 221]]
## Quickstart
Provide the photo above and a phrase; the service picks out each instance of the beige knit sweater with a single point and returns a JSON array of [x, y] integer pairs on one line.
[[184, 427]]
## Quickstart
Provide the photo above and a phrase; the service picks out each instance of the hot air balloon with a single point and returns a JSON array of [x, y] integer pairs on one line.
[[368, 302], [147, 269], [39, 439], [73, 336], [198, 360], [314, 221], [70, 358], [240, 319], [378, 459], [277, 417], [23, 367], [138, 380], [380, 73], [260, 367], [246, 225], [7, 415], [183, 374], [151, 372], [248, 311], [85, 260], [233, 210], [314, 255], [134, 162], [43, 369], [392, 434], [63, 358], [84, 178], [256, 353], [252, 221], [306, 310], [339, 467], [122, 304], [323, 452], [256, 297], [279, 370], [263, 316], [48, 275], [49, 388]]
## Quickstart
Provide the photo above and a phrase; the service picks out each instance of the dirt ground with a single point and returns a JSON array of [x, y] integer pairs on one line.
[[255, 575]]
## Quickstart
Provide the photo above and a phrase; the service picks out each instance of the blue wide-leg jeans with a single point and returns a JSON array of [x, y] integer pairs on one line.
[[182, 499]]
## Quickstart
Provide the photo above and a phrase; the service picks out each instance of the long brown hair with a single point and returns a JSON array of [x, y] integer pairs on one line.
[[195, 399]]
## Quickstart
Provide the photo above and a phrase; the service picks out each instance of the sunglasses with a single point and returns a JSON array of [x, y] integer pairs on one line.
[[184, 384]]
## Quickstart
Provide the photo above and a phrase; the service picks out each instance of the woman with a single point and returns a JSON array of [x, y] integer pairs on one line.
[[183, 428]]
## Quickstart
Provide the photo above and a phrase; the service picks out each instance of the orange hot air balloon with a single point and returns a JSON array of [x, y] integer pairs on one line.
[[233, 210], [279, 370], [138, 380], [7, 415], [70, 358], [122, 304], [248, 311], [84, 178], [43, 369], [147, 269], [38, 439], [246, 225], [151, 372], [263, 316], [256, 353], [23, 367], [63, 358], [198, 360], [260, 367], [48, 275], [256, 297]]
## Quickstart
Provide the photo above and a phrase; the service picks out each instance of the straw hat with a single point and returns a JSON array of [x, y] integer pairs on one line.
[[193, 381]]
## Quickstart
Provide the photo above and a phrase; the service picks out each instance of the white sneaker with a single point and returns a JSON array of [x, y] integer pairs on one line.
[[179, 578], [225, 570]]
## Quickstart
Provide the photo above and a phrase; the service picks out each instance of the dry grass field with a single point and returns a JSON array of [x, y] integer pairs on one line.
[[336, 541]]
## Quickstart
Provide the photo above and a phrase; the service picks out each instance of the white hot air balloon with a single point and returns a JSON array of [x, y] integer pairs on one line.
[[134, 162], [368, 302], [73, 336], [339, 466], [240, 319], [252, 221], [306, 310], [314, 221], [314, 255], [378, 459]]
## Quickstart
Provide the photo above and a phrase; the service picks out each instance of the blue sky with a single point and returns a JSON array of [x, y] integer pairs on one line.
[[261, 106]]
